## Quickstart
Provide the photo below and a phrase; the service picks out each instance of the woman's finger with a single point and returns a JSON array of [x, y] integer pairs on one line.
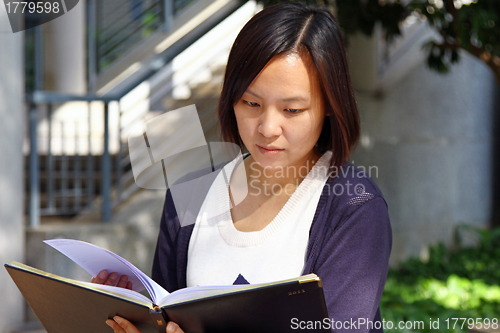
[[173, 328], [112, 279], [114, 325], [122, 325], [101, 277], [122, 283]]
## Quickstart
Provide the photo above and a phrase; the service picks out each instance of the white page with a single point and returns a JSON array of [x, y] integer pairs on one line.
[[198, 292], [93, 259]]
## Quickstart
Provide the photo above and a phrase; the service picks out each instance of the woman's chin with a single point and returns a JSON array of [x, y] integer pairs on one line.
[[271, 164]]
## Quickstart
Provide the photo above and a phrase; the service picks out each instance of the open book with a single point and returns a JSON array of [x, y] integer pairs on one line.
[[66, 305]]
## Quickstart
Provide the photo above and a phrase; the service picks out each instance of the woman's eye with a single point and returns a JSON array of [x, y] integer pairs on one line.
[[293, 110], [251, 103]]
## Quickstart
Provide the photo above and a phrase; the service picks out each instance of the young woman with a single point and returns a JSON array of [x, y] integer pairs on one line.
[[287, 99]]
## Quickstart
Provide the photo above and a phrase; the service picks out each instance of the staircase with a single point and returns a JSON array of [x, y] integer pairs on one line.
[[193, 77], [71, 182]]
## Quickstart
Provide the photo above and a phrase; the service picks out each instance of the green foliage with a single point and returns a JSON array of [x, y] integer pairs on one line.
[[460, 283], [149, 23], [480, 262], [471, 25], [474, 27]]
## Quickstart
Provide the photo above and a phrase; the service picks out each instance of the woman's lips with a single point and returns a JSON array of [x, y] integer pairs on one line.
[[269, 151]]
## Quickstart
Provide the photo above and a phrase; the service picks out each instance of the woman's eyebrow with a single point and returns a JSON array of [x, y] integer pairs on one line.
[[295, 99], [288, 99]]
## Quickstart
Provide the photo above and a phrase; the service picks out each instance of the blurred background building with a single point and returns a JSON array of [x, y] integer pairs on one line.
[[73, 89]]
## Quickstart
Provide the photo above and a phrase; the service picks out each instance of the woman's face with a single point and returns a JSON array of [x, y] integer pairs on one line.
[[280, 116]]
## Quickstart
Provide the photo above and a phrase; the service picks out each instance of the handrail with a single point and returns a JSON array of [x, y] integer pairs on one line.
[[119, 30], [39, 97], [49, 98]]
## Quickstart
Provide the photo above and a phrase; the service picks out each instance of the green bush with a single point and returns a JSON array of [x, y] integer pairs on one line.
[[461, 283]]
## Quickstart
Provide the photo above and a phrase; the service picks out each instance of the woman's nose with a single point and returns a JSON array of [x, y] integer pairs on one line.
[[270, 124]]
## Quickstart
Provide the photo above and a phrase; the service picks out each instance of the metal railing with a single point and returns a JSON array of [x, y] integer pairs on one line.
[[116, 26], [62, 188], [64, 182], [178, 5]]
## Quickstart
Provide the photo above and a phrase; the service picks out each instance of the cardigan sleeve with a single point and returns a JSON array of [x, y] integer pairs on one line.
[[353, 264]]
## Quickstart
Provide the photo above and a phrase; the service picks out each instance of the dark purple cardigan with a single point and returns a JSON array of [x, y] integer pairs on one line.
[[349, 245]]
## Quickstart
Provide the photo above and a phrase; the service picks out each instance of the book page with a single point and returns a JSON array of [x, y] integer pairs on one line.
[[199, 292], [93, 259]]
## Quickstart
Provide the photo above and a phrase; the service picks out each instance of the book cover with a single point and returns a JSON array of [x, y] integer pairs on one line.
[[66, 305]]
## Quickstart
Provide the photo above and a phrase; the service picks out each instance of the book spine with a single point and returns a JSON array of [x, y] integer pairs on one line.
[[157, 316]]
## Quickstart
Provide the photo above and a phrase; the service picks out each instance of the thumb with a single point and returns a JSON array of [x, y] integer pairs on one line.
[[173, 328]]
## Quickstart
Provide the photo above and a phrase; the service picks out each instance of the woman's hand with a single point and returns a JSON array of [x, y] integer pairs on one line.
[[120, 325], [111, 279]]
